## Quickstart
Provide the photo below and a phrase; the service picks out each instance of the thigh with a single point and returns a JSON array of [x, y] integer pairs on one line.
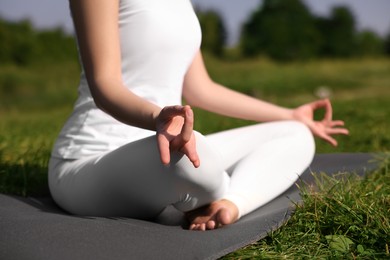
[[235, 144], [264, 160], [131, 181]]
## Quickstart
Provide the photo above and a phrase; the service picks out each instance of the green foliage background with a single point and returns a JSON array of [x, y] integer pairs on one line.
[[21, 45], [283, 30], [287, 30], [213, 32]]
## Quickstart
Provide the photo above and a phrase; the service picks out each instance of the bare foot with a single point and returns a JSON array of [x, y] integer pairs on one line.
[[215, 215]]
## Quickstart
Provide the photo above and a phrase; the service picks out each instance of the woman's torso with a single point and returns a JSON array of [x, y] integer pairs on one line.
[[158, 39]]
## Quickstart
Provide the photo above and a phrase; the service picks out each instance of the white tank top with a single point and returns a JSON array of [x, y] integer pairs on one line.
[[159, 39]]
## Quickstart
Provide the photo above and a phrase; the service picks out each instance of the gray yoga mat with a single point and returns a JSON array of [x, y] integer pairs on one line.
[[35, 228]]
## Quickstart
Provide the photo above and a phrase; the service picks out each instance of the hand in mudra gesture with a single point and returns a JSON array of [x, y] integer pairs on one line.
[[174, 129], [324, 128]]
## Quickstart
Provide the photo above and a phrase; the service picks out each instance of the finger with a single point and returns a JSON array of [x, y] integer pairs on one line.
[[188, 126], [329, 139], [163, 148], [194, 158], [334, 131], [336, 123], [328, 109], [324, 103], [171, 111], [186, 130], [192, 155], [196, 161], [318, 104]]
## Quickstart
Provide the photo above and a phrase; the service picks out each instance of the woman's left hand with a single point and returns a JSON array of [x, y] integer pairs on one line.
[[324, 128]]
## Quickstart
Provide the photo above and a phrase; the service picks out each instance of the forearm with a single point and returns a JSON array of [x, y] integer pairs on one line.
[[224, 101], [116, 100], [200, 91]]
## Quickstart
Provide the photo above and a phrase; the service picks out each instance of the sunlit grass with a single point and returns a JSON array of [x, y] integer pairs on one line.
[[346, 217], [38, 87], [264, 77]]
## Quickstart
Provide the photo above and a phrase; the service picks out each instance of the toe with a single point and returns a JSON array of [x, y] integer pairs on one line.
[[224, 217], [210, 224], [202, 227]]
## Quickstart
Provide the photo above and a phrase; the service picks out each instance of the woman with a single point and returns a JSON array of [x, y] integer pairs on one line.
[[129, 148]]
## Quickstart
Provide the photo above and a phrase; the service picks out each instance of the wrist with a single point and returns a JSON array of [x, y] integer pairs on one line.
[[290, 114], [154, 118]]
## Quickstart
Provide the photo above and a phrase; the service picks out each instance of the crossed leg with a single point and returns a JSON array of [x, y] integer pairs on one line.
[[132, 182], [263, 161]]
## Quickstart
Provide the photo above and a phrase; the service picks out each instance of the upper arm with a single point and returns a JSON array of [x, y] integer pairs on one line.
[[196, 81], [96, 23]]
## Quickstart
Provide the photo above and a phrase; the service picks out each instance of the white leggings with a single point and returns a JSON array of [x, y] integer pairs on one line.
[[249, 166]]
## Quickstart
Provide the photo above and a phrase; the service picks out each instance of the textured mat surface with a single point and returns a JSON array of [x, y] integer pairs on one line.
[[35, 228]]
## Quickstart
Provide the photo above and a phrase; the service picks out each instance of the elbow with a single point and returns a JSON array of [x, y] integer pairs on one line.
[[99, 104], [188, 99], [100, 93], [97, 96], [192, 98], [198, 95]]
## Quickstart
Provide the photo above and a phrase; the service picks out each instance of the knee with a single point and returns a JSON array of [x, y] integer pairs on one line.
[[199, 186], [297, 127], [303, 135], [208, 176]]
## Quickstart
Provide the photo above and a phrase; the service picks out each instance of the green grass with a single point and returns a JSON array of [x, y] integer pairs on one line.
[[346, 217]]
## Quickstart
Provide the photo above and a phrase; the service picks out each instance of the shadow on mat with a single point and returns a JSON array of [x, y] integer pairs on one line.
[[169, 217]]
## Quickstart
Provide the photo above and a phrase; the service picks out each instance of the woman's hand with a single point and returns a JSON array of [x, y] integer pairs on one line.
[[324, 128], [174, 128]]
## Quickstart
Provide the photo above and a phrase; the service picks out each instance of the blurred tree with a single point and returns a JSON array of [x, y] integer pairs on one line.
[[369, 44], [213, 32], [56, 45], [387, 44], [20, 44], [338, 33], [17, 42], [281, 29]]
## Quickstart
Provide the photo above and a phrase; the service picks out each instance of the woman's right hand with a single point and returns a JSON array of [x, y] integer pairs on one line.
[[174, 129]]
